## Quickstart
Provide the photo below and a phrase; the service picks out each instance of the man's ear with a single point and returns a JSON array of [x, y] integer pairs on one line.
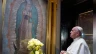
[[77, 34]]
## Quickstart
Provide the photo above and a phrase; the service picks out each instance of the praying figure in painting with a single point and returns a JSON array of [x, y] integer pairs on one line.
[[26, 21], [79, 45]]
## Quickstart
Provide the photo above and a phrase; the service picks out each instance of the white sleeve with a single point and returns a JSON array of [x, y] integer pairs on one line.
[[73, 49], [78, 49], [83, 49]]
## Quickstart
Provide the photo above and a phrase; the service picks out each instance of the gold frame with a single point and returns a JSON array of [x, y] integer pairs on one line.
[[51, 27]]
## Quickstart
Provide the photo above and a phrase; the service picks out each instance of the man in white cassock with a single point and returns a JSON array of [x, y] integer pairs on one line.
[[79, 45]]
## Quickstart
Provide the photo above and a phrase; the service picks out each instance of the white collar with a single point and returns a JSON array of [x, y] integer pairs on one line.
[[77, 38]]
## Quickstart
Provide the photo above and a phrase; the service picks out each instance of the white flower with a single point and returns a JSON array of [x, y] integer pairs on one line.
[[36, 52], [35, 45]]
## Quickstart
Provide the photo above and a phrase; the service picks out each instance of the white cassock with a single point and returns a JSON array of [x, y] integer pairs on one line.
[[78, 46]]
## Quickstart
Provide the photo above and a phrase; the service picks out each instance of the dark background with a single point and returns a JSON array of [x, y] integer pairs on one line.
[[70, 10]]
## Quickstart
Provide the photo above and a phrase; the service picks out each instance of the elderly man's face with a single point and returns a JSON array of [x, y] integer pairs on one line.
[[74, 32]]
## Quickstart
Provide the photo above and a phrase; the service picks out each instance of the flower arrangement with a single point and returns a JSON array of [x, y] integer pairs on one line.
[[34, 46]]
